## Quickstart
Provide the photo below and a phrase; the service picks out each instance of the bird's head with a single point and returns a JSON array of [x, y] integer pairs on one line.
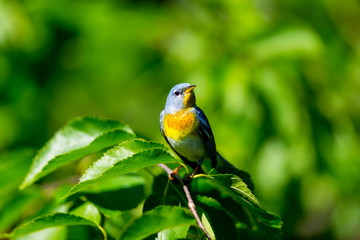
[[181, 96]]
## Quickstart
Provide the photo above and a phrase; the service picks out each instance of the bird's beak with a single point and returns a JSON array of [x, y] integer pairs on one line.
[[189, 88]]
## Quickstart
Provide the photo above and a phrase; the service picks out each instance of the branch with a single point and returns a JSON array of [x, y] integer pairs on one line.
[[191, 203]]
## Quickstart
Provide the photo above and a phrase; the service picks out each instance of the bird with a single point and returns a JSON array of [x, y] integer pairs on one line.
[[186, 128]]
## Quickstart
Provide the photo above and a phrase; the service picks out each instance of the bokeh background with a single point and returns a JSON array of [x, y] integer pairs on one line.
[[279, 81]]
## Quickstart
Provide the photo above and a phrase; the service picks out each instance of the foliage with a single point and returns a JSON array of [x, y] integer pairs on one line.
[[278, 81], [82, 204]]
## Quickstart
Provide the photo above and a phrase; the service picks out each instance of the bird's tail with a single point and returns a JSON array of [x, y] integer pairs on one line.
[[222, 162]]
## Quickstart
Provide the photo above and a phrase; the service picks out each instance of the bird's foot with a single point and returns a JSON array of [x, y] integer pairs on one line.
[[188, 178], [174, 173]]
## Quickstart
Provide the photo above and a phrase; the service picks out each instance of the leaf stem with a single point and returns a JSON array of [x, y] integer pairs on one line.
[[191, 203]]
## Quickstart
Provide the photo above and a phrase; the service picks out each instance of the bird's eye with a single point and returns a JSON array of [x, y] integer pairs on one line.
[[177, 93]]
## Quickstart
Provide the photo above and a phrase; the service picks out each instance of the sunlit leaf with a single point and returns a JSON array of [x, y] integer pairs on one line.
[[156, 220], [58, 233], [123, 158], [173, 233], [235, 186], [78, 138], [207, 225], [50, 221], [88, 211]]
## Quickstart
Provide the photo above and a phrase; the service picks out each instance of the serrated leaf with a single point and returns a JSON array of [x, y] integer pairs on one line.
[[156, 220], [229, 169], [236, 187], [77, 139], [123, 158], [50, 221], [267, 224]]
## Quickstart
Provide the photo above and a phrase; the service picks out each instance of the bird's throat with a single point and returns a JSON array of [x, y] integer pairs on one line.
[[189, 100]]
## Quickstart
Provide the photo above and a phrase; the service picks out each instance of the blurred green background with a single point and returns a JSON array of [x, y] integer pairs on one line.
[[279, 81]]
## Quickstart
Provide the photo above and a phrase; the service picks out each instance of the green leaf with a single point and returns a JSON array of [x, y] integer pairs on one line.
[[58, 233], [173, 233], [88, 211], [266, 224], [18, 205], [229, 169], [50, 221], [155, 200], [156, 220], [235, 186], [13, 167], [78, 138], [116, 183], [207, 225], [219, 218], [110, 194], [123, 158]]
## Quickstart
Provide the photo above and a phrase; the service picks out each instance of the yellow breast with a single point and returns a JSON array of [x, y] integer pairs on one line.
[[180, 125]]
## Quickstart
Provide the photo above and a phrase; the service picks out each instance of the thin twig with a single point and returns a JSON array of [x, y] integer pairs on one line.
[[191, 203], [166, 168]]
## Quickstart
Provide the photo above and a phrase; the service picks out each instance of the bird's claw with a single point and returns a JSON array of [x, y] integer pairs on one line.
[[174, 173]]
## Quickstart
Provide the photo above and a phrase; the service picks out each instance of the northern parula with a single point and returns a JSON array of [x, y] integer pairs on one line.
[[186, 128]]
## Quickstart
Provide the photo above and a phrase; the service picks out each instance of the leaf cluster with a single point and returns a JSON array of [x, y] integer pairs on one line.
[[122, 194]]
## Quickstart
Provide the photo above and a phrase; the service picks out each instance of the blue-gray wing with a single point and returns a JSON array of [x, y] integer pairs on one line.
[[207, 136]]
